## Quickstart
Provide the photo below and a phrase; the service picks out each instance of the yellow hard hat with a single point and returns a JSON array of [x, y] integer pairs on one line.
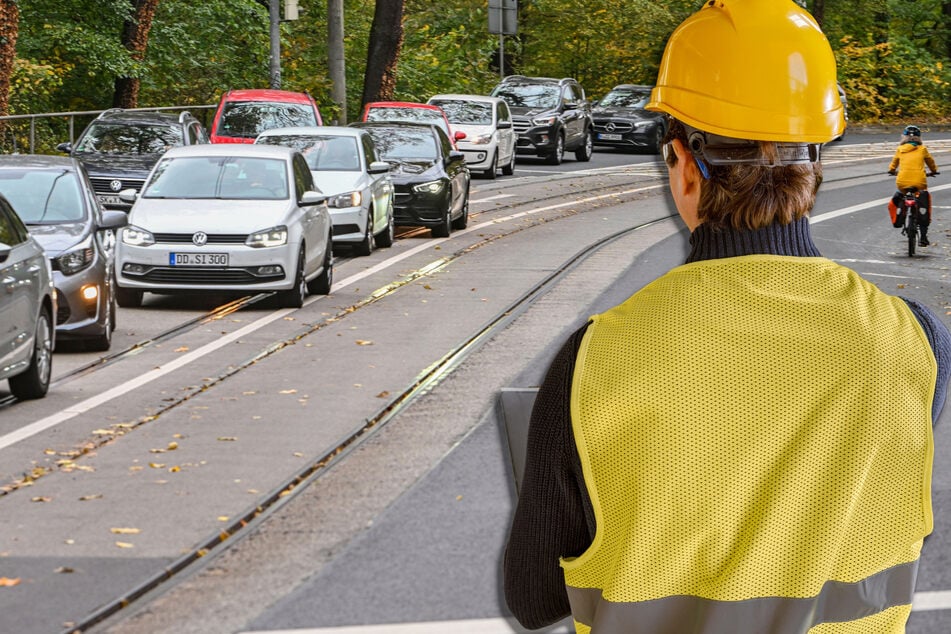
[[751, 69]]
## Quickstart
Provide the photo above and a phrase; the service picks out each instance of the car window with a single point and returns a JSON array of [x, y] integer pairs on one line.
[[12, 230], [303, 180], [43, 196], [321, 151], [626, 98], [528, 95], [122, 138], [237, 178], [247, 119], [369, 149], [504, 114], [404, 143], [572, 96], [466, 112]]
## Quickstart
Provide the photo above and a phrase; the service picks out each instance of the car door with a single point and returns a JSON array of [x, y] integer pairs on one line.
[[573, 115], [506, 135], [455, 166], [315, 220], [21, 287], [381, 187]]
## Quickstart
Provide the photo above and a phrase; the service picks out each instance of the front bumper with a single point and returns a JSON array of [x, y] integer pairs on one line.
[[81, 303], [624, 134], [414, 208], [348, 224]]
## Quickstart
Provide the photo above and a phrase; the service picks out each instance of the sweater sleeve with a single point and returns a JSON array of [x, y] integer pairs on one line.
[[940, 340], [552, 517]]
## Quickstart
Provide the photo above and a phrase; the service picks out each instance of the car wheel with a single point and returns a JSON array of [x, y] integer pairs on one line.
[[584, 152], [386, 237], [444, 228], [556, 155], [294, 297], [321, 284], [658, 144], [365, 246], [128, 297], [509, 168], [35, 382], [494, 168], [462, 221], [102, 341]]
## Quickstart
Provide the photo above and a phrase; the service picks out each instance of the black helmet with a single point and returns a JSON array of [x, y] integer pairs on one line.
[[912, 130]]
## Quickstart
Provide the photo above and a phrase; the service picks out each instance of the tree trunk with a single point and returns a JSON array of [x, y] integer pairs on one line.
[[9, 28], [336, 61], [946, 27], [386, 39], [135, 37], [819, 11]]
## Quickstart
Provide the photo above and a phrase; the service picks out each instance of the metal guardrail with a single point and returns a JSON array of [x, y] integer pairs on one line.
[[71, 121]]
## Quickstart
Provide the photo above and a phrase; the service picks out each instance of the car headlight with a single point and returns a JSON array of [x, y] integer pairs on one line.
[[432, 187], [74, 261], [544, 120], [273, 237], [137, 236], [482, 139], [350, 199]]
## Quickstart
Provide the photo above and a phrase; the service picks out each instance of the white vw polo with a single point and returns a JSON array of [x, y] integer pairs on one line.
[[227, 217]]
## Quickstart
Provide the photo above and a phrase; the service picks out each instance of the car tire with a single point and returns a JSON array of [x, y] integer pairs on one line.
[[103, 341], [129, 297], [294, 297], [555, 156], [658, 144], [462, 221], [509, 168], [444, 228], [365, 246], [493, 170], [386, 237], [321, 284], [35, 381], [584, 152]]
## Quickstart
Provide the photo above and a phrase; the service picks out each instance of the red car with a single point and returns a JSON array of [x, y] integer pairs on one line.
[[243, 114], [412, 112]]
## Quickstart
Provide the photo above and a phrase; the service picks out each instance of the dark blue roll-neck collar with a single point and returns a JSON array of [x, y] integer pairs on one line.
[[707, 243]]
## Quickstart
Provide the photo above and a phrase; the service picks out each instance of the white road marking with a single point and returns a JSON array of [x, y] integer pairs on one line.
[[497, 197]]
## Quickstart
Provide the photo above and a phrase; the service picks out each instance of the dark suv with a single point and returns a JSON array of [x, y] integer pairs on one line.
[[621, 121], [551, 116], [119, 147]]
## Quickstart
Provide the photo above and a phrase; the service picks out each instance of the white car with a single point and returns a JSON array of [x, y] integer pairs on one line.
[[346, 169], [27, 308], [490, 139], [226, 217]]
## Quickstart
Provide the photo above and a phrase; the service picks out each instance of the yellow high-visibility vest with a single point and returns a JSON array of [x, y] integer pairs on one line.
[[756, 440]]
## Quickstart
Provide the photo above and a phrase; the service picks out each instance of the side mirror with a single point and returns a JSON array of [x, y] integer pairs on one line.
[[459, 135], [311, 198], [65, 148], [455, 155], [378, 167], [128, 195], [571, 106], [114, 219], [504, 125]]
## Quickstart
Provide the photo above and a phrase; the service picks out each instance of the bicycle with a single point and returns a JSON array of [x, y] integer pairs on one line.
[[911, 210]]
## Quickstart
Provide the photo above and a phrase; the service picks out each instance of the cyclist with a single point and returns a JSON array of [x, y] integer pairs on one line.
[[908, 165]]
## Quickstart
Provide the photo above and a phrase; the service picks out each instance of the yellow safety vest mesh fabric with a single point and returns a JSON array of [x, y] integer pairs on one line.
[[752, 427]]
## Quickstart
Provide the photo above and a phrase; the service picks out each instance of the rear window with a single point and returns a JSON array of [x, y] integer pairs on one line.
[[466, 112], [247, 119], [322, 152], [236, 178]]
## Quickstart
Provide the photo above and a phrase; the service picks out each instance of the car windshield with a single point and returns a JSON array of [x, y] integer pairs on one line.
[[43, 196], [626, 98], [231, 177], [466, 112], [123, 138], [397, 144], [247, 119], [322, 152], [528, 95]]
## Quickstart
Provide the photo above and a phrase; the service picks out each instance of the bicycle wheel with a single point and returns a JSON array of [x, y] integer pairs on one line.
[[911, 228]]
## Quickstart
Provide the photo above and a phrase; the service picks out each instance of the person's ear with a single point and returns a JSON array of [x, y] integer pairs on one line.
[[685, 182]]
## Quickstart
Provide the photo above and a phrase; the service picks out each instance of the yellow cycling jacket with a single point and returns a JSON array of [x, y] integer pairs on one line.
[[755, 435], [910, 160]]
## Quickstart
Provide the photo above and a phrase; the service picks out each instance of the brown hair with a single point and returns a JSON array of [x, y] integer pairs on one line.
[[749, 196]]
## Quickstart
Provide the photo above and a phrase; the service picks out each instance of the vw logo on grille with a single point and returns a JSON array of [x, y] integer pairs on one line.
[[115, 185], [610, 127], [200, 238]]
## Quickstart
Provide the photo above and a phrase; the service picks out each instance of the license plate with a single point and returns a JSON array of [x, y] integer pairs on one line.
[[609, 137], [111, 200], [198, 259]]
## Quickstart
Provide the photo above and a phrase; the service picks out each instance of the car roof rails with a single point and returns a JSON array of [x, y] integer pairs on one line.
[[110, 111], [182, 115]]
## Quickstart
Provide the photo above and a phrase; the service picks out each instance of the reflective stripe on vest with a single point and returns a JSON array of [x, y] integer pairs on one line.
[[755, 437], [777, 615]]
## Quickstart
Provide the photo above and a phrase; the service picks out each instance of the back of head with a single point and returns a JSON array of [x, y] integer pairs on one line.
[[753, 91], [911, 134]]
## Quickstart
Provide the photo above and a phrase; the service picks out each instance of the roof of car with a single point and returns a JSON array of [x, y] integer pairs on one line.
[[231, 149], [402, 104], [38, 161], [266, 94], [323, 130], [463, 97], [140, 116], [523, 79], [632, 87]]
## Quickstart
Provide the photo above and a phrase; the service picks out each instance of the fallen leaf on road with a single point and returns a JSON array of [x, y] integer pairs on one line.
[[157, 465], [383, 394], [227, 438], [363, 342], [126, 531], [6, 582], [125, 545], [64, 569], [288, 392], [94, 496], [181, 349], [41, 498]]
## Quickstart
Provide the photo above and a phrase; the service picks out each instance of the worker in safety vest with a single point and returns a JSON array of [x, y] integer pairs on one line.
[[745, 444]]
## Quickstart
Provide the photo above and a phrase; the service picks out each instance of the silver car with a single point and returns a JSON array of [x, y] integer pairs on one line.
[[227, 217], [27, 308], [489, 142], [345, 167], [54, 198]]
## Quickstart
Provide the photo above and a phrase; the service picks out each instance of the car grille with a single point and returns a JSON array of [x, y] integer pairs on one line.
[[213, 238], [620, 127], [102, 185], [521, 124], [168, 275], [340, 230]]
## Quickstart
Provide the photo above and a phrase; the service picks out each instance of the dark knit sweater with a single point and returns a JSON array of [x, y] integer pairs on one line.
[[554, 517]]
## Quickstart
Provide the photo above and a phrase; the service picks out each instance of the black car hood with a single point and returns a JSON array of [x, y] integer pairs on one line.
[[626, 113], [132, 165], [56, 238], [410, 168], [522, 111]]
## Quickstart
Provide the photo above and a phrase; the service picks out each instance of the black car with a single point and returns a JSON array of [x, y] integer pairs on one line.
[[430, 178], [119, 148], [551, 116], [621, 121]]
